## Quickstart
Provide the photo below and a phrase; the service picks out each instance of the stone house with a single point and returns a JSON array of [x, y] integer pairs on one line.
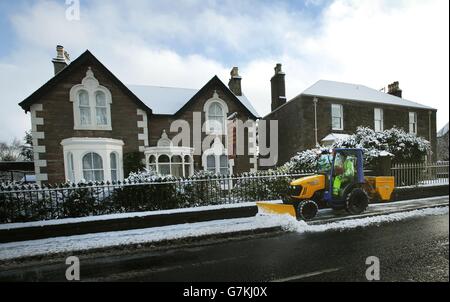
[[86, 124], [330, 110]]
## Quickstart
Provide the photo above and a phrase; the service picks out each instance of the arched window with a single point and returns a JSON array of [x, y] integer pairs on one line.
[[101, 111], [177, 166], [164, 165], [93, 167], [211, 163], [114, 166], [216, 118], [70, 167], [91, 104], [85, 109]]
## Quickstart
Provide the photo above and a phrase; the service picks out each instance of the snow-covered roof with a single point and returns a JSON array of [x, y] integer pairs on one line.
[[334, 137], [168, 100], [357, 92], [443, 131]]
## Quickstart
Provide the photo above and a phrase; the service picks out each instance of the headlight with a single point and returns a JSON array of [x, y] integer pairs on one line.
[[295, 190]]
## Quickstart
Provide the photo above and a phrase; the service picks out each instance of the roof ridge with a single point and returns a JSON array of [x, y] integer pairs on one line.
[[158, 86]]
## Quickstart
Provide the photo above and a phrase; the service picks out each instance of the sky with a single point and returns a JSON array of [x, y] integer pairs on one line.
[[184, 43]]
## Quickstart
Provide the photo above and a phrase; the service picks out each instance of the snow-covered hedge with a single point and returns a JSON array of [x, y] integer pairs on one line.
[[403, 147]]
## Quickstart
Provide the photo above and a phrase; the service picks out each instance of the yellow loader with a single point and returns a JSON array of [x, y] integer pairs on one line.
[[339, 183]]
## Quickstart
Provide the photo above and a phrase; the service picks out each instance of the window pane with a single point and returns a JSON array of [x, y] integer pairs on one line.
[[176, 159], [336, 110], [88, 175], [164, 169], [113, 160], [223, 161], [177, 170], [187, 170], [211, 162], [85, 115], [336, 123], [100, 99], [83, 98], [377, 114], [98, 174], [87, 162], [101, 116], [163, 159], [97, 160], [224, 171], [113, 175]]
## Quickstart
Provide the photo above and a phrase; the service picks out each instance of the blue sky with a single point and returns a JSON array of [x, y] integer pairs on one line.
[[184, 43]]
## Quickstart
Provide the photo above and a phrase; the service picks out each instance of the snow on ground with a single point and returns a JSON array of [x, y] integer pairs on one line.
[[8, 226], [110, 239]]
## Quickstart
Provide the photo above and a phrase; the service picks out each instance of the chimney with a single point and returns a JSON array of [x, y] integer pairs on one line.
[[235, 82], [278, 88], [394, 89], [62, 59]]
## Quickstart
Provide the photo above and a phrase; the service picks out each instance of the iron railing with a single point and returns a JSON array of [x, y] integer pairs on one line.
[[31, 202], [422, 174]]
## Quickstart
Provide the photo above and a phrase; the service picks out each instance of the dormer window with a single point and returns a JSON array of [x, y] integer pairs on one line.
[[91, 104]]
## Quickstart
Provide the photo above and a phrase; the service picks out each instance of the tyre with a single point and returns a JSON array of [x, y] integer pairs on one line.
[[357, 201], [307, 210]]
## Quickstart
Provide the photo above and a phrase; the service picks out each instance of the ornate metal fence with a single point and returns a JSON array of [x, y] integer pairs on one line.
[[423, 174], [31, 203]]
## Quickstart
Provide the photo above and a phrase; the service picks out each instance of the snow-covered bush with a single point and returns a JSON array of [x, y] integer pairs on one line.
[[400, 145], [303, 161]]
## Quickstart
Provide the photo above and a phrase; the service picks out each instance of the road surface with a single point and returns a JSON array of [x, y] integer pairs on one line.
[[414, 249]]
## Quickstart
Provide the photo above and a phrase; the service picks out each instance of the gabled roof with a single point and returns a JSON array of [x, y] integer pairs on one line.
[[87, 56], [443, 131], [159, 100], [170, 100], [346, 91]]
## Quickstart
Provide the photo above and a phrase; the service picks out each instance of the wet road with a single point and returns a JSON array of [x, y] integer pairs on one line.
[[415, 249]]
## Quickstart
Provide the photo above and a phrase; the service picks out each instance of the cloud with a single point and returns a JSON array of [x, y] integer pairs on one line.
[[154, 42]]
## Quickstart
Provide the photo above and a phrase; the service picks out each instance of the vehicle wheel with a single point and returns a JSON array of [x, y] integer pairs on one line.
[[307, 210], [357, 201]]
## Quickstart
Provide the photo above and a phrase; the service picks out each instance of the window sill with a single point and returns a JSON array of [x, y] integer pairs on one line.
[[98, 128]]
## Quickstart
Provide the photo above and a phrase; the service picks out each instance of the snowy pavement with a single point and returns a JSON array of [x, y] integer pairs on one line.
[[173, 232]]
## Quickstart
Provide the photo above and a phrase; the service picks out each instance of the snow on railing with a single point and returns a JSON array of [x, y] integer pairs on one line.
[[420, 174], [30, 202]]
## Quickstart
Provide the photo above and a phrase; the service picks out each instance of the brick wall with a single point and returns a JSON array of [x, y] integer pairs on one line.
[[59, 122], [296, 122]]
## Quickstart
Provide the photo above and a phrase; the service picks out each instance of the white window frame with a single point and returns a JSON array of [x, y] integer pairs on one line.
[[207, 126], [381, 120], [93, 169], [92, 86], [217, 150], [341, 116], [80, 146], [166, 147], [413, 123]]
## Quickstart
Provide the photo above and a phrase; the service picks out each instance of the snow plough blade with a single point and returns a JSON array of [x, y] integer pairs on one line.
[[273, 208]]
